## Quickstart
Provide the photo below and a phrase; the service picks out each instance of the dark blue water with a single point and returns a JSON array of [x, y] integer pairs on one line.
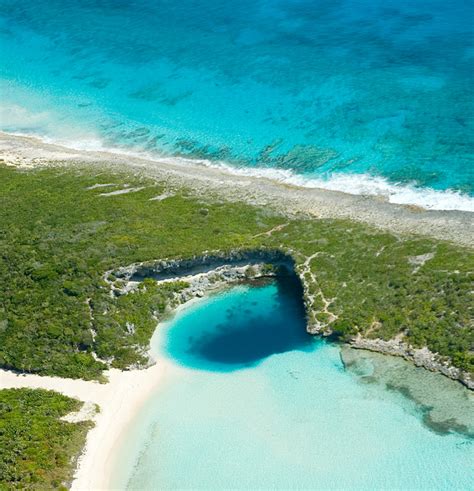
[[241, 330], [248, 401], [367, 96]]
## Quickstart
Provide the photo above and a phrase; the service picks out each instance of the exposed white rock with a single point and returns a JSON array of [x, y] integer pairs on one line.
[[161, 197], [419, 261], [96, 186], [421, 357], [123, 191], [87, 412]]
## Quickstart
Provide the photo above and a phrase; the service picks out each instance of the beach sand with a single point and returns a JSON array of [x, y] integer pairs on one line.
[[207, 181], [119, 400]]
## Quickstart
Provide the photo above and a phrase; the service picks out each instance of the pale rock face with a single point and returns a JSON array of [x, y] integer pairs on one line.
[[421, 357], [87, 412]]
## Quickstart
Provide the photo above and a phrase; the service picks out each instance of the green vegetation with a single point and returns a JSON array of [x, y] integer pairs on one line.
[[138, 312], [37, 449], [375, 289], [58, 238]]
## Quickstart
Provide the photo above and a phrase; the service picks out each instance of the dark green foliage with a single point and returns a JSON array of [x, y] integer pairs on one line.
[[37, 449], [377, 291], [58, 238], [125, 324]]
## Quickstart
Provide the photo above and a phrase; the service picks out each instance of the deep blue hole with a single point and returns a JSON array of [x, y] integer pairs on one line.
[[240, 328]]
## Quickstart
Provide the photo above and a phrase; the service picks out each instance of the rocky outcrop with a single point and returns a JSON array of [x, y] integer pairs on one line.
[[421, 357], [205, 263], [202, 273]]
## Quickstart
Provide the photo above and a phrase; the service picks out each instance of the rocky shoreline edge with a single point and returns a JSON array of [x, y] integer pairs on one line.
[[26, 152], [421, 357], [216, 271]]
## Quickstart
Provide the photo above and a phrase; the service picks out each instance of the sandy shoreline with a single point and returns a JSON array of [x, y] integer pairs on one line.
[[119, 401], [455, 226]]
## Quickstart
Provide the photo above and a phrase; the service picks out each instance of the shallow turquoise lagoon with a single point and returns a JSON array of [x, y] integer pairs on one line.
[[251, 402], [358, 95]]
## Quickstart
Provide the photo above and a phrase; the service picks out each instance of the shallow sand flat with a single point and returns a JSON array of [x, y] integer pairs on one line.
[[119, 400], [456, 226]]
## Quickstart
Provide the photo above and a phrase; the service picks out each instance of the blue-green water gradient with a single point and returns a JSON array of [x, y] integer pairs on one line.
[[359, 94], [291, 418]]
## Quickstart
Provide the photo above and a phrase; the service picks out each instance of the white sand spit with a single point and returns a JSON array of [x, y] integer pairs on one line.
[[118, 400]]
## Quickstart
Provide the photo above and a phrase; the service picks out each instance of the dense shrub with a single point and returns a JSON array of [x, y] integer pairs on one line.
[[37, 449]]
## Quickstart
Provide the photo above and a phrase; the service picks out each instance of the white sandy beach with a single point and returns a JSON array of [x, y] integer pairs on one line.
[[119, 400]]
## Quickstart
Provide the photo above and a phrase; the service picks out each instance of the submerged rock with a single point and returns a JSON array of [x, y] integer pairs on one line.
[[445, 407], [421, 357]]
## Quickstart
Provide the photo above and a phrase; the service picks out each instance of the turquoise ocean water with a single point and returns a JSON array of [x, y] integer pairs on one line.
[[252, 402], [365, 96]]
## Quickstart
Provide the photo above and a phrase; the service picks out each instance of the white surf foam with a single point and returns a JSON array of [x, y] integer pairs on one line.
[[364, 184], [356, 184]]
